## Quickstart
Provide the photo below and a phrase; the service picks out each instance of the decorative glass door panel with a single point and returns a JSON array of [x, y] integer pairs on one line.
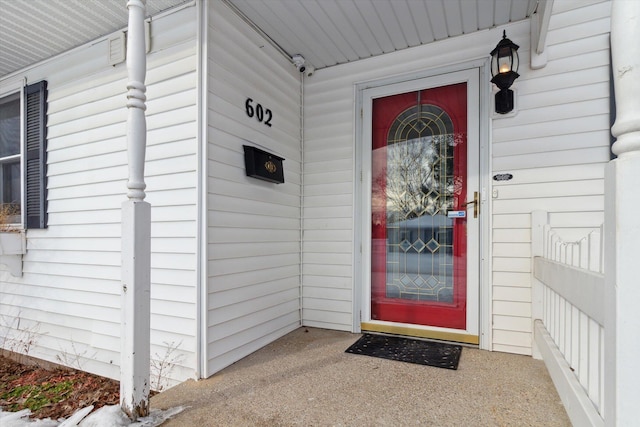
[[418, 210]]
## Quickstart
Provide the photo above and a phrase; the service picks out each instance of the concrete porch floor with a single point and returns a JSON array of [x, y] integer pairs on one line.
[[306, 379]]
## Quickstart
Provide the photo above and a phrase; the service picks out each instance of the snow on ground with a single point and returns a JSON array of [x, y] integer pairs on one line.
[[107, 416]]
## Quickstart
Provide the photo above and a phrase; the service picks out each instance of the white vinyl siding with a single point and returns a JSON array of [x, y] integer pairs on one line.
[[329, 250], [556, 148], [253, 267], [328, 215], [70, 290]]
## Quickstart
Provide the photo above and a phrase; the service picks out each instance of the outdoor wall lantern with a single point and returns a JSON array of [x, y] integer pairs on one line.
[[504, 70]]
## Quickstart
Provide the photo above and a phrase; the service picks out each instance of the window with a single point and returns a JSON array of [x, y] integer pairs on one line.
[[10, 190], [23, 160]]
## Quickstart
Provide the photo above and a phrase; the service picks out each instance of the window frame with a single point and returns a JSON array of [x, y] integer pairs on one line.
[[31, 196], [7, 92]]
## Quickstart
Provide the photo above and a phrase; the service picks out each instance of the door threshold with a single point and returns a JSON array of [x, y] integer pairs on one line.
[[420, 333]]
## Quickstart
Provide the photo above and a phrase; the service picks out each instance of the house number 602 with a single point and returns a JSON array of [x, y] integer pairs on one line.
[[258, 111]]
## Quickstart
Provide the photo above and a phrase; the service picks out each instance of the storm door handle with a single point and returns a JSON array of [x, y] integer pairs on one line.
[[474, 202]]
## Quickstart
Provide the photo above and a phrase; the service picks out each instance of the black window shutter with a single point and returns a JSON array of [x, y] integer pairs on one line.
[[35, 155]]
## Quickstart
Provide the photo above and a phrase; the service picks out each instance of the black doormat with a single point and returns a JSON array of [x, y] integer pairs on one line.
[[440, 355]]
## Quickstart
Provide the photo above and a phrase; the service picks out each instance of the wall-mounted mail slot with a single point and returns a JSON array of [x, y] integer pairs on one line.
[[263, 165]]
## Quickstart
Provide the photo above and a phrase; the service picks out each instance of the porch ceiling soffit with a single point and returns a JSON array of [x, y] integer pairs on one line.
[[331, 32], [325, 32], [35, 30]]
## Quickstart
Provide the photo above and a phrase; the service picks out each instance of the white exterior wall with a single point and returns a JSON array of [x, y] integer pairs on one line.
[[330, 219], [69, 294], [556, 146], [253, 286]]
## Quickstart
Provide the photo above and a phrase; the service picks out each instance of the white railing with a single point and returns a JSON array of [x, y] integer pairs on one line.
[[569, 316]]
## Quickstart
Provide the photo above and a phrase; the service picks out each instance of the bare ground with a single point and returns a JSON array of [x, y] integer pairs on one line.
[[52, 393]]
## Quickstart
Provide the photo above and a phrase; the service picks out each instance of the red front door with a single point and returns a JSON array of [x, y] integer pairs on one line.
[[418, 195]]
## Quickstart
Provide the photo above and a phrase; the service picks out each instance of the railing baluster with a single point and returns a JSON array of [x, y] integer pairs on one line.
[[601, 249], [547, 308], [583, 359], [594, 362], [575, 338], [562, 306], [601, 371], [567, 331], [557, 321], [595, 253], [584, 253]]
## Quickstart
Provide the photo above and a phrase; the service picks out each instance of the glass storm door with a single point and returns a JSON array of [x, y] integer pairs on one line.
[[420, 210]]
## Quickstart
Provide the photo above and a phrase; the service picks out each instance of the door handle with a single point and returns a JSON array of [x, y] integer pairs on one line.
[[474, 202]]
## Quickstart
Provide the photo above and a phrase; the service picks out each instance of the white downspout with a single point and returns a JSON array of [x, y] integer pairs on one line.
[[301, 198], [202, 223]]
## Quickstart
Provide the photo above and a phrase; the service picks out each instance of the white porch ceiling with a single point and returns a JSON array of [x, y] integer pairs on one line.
[[330, 32], [34, 30], [325, 32]]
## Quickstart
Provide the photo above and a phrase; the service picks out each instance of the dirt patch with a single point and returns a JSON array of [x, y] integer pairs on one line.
[[52, 393]]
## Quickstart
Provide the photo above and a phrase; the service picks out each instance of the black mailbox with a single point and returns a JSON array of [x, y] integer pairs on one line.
[[262, 165]]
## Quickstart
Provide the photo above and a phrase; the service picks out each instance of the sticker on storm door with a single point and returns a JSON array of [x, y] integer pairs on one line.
[[456, 214]]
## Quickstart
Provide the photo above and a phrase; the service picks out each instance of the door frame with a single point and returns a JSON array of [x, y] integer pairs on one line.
[[362, 199]]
